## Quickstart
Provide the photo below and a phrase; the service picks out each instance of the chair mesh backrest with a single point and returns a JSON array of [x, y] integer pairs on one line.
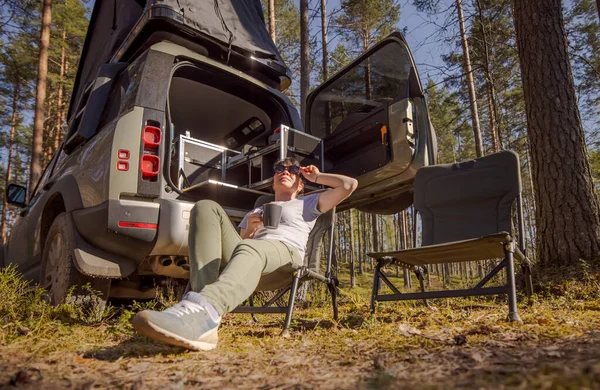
[[315, 238], [467, 200]]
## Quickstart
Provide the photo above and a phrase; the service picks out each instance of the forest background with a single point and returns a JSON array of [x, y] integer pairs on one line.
[[491, 77], [467, 55]]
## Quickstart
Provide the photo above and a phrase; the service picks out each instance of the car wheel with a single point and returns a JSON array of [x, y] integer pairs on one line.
[[60, 275]]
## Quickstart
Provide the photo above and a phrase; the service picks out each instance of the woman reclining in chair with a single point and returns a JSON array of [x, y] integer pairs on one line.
[[226, 267]]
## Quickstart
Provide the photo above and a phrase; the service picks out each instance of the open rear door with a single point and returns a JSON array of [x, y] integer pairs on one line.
[[373, 118]]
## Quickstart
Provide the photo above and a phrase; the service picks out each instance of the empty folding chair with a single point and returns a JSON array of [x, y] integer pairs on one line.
[[465, 210]]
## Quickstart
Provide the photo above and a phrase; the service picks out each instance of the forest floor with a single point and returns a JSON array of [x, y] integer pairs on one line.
[[458, 343]]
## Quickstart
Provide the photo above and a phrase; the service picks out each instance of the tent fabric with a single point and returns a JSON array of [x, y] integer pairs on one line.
[[112, 21]]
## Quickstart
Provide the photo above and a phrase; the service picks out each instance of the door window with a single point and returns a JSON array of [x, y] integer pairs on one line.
[[375, 82]]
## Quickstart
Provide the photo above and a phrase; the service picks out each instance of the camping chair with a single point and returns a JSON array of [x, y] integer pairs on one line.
[[465, 210], [288, 278]]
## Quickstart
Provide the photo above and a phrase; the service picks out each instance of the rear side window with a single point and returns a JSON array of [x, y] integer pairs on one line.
[[113, 105], [123, 93]]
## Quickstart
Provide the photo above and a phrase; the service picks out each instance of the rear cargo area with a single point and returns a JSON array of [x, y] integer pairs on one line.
[[225, 137]]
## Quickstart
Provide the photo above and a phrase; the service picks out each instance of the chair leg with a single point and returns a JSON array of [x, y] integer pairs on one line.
[[251, 304], [510, 276], [526, 268], [375, 290], [294, 288], [333, 291], [419, 273]]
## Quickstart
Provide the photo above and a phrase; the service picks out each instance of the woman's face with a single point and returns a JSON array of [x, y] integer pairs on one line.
[[286, 182]]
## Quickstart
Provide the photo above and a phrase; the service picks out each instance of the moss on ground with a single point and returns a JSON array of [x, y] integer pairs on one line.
[[458, 343]]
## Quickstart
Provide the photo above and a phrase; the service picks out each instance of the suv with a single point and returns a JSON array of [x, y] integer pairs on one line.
[[170, 107]]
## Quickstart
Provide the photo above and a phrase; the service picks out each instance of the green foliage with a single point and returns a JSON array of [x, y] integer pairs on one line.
[[24, 307], [583, 32], [19, 300], [363, 22], [447, 117], [594, 156], [287, 31]]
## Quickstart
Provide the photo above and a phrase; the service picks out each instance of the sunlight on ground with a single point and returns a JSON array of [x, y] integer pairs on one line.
[[457, 343]]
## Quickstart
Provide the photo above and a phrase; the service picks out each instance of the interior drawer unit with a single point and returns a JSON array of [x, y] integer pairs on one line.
[[197, 159]]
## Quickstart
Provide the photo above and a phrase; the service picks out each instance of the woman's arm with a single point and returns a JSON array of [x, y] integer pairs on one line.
[[341, 187], [253, 222]]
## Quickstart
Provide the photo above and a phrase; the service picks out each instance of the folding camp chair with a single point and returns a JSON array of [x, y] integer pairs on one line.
[[465, 211], [288, 278]]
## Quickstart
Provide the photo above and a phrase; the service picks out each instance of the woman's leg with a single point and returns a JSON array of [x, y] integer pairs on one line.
[[212, 240], [250, 260]]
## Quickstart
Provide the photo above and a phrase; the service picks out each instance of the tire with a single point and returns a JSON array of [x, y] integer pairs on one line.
[[59, 273]]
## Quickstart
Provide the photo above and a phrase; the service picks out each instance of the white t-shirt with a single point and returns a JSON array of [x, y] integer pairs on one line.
[[298, 217]]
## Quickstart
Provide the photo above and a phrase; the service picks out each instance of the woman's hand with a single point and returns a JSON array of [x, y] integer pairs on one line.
[[254, 222], [310, 173]]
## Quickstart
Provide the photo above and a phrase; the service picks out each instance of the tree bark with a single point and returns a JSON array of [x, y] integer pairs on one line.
[[35, 171], [567, 217], [489, 83], [59, 103], [272, 31], [375, 232], [368, 88], [324, 40], [470, 83], [304, 56], [352, 257], [13, 129]]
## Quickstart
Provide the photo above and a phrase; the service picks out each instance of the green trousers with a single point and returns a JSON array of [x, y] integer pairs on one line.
[[225, 269]]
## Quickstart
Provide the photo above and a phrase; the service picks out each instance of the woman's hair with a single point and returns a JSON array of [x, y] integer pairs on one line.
[[289, 161]]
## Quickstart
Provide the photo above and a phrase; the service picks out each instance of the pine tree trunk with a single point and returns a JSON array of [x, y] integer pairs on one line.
[[364, 234], [404, 243], [324, 40], [368, 87], [304, 56], [272, 31], [59, 103], [35, 171], [567, 218], [352, 257], [375, 232], [361, 244], [13, 130], [489, 84], [470, 83], [49, 131], [63, 111]]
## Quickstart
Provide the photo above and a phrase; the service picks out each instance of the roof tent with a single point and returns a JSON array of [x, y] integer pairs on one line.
[[232, 31]]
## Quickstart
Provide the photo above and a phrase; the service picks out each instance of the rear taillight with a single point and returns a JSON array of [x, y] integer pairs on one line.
[[150, 166], [152, 136], [150, 162]]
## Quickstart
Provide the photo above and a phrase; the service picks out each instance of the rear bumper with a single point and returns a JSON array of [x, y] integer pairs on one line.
[[173, 228], [101, 241]]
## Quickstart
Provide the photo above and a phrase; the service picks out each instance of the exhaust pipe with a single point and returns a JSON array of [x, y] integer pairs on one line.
[[182, 262], [166, 261]]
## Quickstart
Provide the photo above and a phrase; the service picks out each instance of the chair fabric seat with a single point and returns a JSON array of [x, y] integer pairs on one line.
[[486, 247]]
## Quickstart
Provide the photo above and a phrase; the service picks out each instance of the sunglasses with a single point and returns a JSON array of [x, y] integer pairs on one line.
[[292, 169]]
